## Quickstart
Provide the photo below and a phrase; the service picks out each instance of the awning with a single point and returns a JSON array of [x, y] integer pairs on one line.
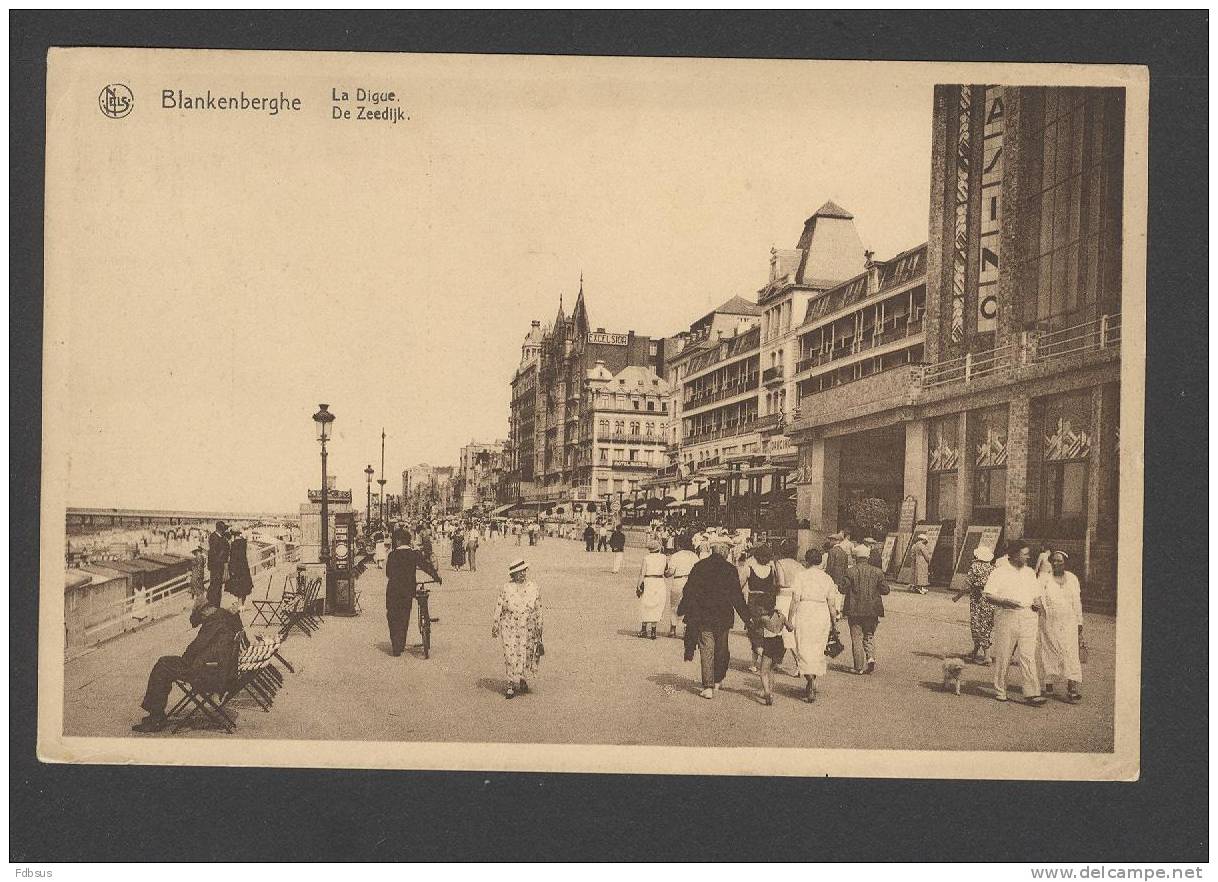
[[502, 509], [688, 503]]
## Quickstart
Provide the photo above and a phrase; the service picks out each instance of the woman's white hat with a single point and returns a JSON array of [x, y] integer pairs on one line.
[[983, 554], [518, 567], [862, 551]]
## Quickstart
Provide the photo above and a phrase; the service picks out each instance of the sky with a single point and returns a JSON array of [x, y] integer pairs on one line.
[[212, 277]]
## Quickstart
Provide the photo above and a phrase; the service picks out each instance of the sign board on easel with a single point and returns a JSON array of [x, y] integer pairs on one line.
[[890, 544], [909, 511], [932, 538], [976, 536]]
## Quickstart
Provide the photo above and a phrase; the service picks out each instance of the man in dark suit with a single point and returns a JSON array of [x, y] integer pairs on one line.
[[217, 559], [401, 574], [208, 663], [837, 562], [709, 605], [863, 607]]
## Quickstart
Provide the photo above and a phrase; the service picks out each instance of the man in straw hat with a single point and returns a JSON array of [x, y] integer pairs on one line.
[[709, 605]]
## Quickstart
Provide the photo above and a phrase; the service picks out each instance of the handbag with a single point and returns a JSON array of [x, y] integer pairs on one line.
[[834, 647], [638, 592], [1082, 650]]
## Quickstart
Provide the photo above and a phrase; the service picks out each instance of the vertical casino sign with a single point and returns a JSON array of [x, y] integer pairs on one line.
[[991, 209], [964, 160]]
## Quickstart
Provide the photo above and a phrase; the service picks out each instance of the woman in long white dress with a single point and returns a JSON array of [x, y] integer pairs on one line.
[[652, 590], [1061, 628], [517, 624], [813, 611]]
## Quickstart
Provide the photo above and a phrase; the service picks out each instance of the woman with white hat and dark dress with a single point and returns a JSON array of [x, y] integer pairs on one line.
[[517, 624]]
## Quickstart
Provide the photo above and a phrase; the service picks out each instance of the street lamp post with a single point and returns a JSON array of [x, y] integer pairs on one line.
[[382, 482], [324, 420], [368, 511]]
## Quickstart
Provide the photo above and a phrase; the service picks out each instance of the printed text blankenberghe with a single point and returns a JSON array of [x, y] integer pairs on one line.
[[176, 99]]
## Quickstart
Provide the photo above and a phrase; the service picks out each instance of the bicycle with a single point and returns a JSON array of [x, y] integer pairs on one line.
[[421, 594]]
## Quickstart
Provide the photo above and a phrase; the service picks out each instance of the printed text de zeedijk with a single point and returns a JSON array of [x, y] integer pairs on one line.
[[172, 99]]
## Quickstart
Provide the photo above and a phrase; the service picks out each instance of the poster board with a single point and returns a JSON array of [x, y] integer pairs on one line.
[[909, 512], [890, 544], [899, 547], [932, 537], [974, 537]]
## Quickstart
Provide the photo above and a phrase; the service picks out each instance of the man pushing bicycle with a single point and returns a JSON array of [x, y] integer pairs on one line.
[[401, 572]]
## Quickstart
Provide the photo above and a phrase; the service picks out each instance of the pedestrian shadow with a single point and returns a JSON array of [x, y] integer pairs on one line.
[[841, 668], [628, 632], [384, 646], [971, 688], [490, 684], [671, 683]]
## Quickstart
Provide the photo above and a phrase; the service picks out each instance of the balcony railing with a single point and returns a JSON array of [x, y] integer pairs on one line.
[[1102, 333], [772, 375], [1034, 348], [880, 336], [615, 438], [727, 431], [720, 393]]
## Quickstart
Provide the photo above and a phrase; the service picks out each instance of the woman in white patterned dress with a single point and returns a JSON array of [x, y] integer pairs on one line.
[[517, 624]]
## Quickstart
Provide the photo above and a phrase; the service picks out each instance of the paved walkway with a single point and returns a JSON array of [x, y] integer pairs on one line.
[[601, 684]]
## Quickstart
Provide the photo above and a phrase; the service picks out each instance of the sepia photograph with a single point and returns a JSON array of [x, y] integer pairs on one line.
[[714, 416]]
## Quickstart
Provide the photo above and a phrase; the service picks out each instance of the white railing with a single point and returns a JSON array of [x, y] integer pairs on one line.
[[969, 367], [152, 602], [1101, 333]]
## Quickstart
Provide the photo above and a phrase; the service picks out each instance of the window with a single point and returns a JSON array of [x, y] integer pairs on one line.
[[1066, 421], [634, 427], [635, 402], [990, 463], [603, 427], [604, 454], [651, 428], [619, 427], [619, 485], [1070, 222], [943, 442], [651, 405], [634, 454]]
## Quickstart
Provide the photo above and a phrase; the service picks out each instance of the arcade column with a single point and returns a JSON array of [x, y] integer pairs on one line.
[[820, 462]]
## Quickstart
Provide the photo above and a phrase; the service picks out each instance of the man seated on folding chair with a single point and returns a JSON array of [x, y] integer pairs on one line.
[[401, 573], [203, 664]]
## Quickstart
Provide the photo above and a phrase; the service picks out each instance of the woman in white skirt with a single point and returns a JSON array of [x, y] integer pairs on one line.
[[1061, 628], [652, 591], [813, 612]]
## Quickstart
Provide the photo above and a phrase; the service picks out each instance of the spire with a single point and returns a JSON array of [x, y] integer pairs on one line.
[[579, 317]]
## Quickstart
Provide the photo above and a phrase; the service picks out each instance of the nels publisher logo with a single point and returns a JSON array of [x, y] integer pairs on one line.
[[116, 101]]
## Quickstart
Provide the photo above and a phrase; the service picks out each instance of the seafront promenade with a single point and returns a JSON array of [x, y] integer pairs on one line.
[[600, 683]]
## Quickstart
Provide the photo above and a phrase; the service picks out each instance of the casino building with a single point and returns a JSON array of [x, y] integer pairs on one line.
[[974, 381]]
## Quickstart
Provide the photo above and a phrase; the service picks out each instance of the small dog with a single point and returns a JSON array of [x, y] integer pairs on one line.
[[952, 669]]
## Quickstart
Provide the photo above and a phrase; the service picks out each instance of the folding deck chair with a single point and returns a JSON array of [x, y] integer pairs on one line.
[[254, 675], [300, 616], [270, 612]]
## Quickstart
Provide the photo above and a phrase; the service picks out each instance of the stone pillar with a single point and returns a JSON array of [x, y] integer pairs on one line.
[[1018, 451], [916, 463], [820, 465], [965, 475]]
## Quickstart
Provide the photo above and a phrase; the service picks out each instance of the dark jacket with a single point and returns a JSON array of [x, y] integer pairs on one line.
[[240, 583], [401, 572], [212, 655], [589, 533], [712, 596], [837, 565], [863, 589], [617, 541], [217, 553]]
